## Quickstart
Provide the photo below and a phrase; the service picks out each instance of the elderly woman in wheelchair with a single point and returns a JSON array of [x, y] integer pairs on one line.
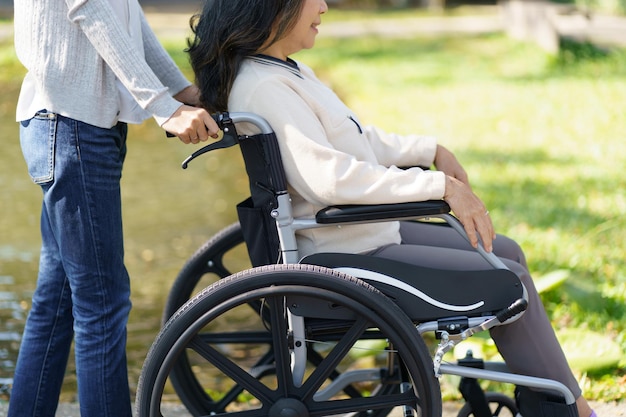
[[353, 273]]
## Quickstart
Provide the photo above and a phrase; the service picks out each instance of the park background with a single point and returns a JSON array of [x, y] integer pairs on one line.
[[538, 125]]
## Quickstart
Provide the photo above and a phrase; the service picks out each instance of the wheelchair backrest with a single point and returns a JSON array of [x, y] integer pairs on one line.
[[267, 181], [266, 178]]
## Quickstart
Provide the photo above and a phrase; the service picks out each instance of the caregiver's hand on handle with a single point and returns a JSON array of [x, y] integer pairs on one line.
[[191, 124]]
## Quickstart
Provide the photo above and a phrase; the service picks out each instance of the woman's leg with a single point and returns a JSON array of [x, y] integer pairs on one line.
[[95, 267], [528, 345], [48, 333], [434, 234], [82, 271], [47, 337]]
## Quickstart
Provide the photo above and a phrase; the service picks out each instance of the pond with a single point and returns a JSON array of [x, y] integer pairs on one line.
[[168, 213]]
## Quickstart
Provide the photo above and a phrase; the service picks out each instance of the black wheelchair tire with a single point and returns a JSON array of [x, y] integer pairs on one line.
[[497, 403], [208, 259], [182, 329]]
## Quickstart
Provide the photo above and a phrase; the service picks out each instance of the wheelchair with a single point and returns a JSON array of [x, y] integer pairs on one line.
[[275, 335]]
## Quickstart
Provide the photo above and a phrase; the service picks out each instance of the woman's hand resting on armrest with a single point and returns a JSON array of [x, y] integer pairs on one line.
[[467, 207]]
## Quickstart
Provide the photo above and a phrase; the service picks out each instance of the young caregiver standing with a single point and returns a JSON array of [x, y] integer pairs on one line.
[[242, 56], [93, 66]]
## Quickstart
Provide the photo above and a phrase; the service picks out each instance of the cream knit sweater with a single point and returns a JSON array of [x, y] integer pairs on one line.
[[75, 50], [329, 157]]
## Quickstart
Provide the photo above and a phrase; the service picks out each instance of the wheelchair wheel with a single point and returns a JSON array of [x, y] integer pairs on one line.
[[253, 376], [500, 405], [221, 256]]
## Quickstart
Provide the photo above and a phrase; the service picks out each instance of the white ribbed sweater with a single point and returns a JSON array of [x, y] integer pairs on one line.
[[75, 50]]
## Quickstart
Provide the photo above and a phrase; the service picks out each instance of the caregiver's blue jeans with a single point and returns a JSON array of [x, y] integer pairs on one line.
[[83, 289]]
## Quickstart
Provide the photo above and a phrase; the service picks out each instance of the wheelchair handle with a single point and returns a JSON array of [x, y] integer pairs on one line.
[[512, 310], [220, 119], [226, 122], [214, 116]]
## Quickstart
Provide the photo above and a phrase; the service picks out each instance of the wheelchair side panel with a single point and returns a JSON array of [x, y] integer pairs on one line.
[[427, 294]]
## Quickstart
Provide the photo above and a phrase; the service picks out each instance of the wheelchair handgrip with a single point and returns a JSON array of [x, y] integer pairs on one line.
[[514, 309], [215, 116]]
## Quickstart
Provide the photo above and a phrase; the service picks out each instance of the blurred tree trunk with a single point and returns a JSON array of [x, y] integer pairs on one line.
[[532, 20]]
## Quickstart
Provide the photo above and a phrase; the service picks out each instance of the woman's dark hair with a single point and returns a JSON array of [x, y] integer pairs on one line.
[[228, 31]]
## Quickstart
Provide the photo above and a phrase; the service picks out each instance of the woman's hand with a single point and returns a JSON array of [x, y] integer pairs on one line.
[[471, 212], [467, 207]]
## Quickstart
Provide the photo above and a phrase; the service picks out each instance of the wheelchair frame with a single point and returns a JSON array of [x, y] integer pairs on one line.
[[276, 205]]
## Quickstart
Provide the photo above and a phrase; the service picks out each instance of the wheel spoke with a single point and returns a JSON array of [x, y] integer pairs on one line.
[[228, 367], [248, 372], [325, 369], [353, 405], [316, 359], [236, 337], [218, 267], [278, 323]]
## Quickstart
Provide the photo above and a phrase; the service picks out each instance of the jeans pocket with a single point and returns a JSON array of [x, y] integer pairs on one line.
[[37, 138]]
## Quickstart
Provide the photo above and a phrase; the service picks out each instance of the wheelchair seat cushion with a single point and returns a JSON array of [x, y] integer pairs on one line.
[[427, 294]]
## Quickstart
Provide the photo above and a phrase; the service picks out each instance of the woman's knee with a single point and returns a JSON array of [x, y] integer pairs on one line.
[[505, 247]]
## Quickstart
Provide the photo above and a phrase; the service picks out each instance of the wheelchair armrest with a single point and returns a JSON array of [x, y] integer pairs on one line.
[[359, 213]]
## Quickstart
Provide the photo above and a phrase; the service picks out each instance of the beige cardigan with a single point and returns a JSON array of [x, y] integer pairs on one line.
[[75, 50], [329, 157]]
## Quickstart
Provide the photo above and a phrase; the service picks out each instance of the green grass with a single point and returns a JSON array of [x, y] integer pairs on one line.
[[542, 138], [12, 70]]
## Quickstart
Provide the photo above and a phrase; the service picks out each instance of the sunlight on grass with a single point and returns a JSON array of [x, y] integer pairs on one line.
[[12, 70], [541, 137]]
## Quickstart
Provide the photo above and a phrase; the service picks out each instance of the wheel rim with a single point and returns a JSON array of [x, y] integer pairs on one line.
[[499, 404], [210, 260], [265, 391], [208, 263]]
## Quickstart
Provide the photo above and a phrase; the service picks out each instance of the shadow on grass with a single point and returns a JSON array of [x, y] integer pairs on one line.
[[580, 290], [590, 316], [582, 60], [546, 201], [573, 52]]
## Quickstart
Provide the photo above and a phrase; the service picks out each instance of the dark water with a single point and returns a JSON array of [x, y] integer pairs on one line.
[[168, 214]]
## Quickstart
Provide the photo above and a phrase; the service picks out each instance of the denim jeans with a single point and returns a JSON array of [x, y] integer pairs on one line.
[[83, 288]]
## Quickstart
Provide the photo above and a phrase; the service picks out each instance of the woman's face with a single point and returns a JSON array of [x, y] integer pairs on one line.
[[303, 34]]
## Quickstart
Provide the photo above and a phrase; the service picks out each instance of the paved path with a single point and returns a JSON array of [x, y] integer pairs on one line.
[[449, 410], [72, 410]]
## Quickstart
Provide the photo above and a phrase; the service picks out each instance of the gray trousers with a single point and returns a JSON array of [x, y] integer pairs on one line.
[[528, 345]]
